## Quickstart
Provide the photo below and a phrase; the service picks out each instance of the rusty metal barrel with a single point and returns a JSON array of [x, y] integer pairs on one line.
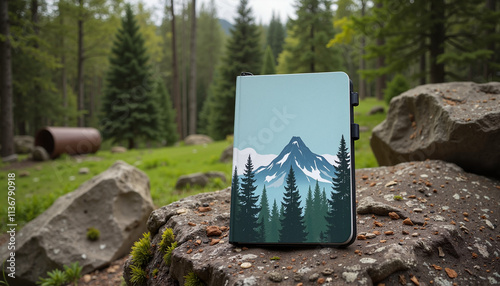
[[69, 140]]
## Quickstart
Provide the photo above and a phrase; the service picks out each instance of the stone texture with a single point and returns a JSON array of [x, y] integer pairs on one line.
[[456, 122], [117, 202], [24, 144], [198, 179], [227, 155], [118, 149], [197, 139], [384, 259], [376, 109], [40, 154]]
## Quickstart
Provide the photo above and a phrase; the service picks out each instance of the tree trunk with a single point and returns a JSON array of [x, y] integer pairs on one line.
[[381, 80], [37, 116], [64, 85], [183, 76], [80, 67], [362, 66], [176, 89], [437, 38], [487, 71], [7, 115], [192, 69], [131, 143]]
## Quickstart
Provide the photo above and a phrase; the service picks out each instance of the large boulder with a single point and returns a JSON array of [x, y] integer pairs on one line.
[[40, 154], [24, 144], [419, 223], [197, 139], [116, 202], [227, 155], [456, 122]]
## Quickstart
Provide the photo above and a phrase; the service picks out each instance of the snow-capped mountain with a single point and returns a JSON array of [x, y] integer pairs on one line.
[[308, 167]]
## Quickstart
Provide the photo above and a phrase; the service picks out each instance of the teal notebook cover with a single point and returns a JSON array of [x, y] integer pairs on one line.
[[293, 177]]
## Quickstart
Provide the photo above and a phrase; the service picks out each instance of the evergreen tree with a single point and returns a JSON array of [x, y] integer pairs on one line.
[[292, 223], [339, 206], [264, 216], [168, 125], [276, 36], [130, 108], [243, 54], [309, 214], [274, 225], [235, 206], [247, 201], [268, 66], [311, 31], [396, 86]]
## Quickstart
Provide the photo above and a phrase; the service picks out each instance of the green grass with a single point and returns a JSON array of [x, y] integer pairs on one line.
[[49, 180], [363, 153]]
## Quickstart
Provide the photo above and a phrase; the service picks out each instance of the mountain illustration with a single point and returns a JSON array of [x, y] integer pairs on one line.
[[307, 165]]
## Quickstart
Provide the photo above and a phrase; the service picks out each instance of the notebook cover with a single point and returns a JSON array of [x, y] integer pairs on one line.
[[293, 160]]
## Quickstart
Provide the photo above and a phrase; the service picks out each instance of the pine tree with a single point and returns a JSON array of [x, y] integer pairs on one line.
[[276, 36], [274, 226], [168, 124], [247, 201], [311, 31], [130, 105], [337, 218], [292, 223], [243, 54], [268, 66], [309, 214], [235, 205], [264, 216]]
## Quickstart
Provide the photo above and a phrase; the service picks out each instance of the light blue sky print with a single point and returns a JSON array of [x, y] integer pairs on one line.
[[274, 108]]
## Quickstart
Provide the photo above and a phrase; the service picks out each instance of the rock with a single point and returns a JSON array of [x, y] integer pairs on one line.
[[83, 171], [9, 159], [24, 144], [376, 109], [24, 174], [198, 179], [380, 259], [213, 230], [118, 149], [227, 155], [457, 122], [197, 139], [189, 181], [116, 202], [40, 154]]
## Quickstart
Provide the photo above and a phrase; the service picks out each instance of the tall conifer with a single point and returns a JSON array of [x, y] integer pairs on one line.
[[274, 225], [243, 54], [292, 222], [130, 105], [264, 215], [339, 204], [247, 205], [168, 124]]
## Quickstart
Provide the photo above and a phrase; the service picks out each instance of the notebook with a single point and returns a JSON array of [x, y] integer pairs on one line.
[[293, 160]]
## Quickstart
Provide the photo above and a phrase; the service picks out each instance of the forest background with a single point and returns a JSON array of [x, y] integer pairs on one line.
[[57, 57]]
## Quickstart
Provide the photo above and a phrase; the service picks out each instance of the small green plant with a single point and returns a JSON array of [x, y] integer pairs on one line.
[[398, 197], [93, 234], [73, 272], [139, 275], [395, 87], [4, 281], [192, 280], [155, 272], [275, 258], [167, 238], [141, 251], [168, 254], [56, 278]]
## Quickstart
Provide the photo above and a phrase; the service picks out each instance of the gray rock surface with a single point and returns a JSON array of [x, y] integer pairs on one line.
[[117, 202], [456, 122], [197, 139], [376, 109], [459, 232], [24, 144], [118, 149], [40, 154], [227, 155], [198, 179]]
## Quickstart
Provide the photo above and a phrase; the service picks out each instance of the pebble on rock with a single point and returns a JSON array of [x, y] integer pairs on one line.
[[246, 265]]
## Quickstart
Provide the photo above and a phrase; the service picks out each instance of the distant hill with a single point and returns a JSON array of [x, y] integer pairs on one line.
[[226, 26]]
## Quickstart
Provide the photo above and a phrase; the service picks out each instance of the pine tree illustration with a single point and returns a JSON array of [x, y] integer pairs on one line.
[[248, 208], [292, 223], [275, 224], [338, 224], [264, 216]]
